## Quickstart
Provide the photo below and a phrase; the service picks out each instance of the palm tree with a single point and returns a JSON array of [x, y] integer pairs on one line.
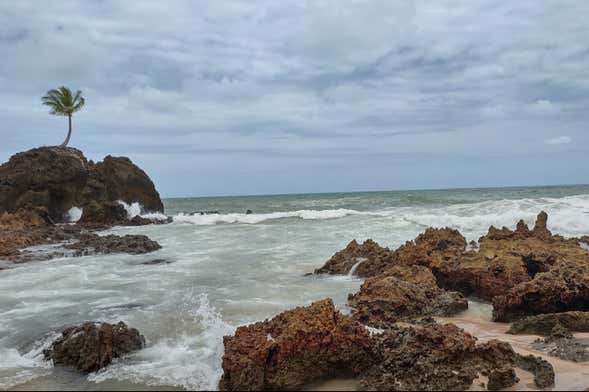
[[63, 103]]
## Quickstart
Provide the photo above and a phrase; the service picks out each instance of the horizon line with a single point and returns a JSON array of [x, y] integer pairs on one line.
[[381, 190]]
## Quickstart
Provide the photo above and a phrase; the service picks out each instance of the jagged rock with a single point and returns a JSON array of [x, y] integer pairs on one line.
[[106, 213], [368, 257], [92, 346], [117, 178], [403, 293], [562, 344], [501, 378], [293, 348], [564, 288], [58, 178], [94, 244], [541, 369], [433, 357], [543, 324]]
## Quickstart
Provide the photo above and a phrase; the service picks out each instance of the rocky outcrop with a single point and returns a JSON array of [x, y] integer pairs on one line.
[[562, 344], [523, 271], [400, 294], [543, 324], [117, 178], [92, 346], [541, 369], [502, 378], [367, 258], [56, 179], [293, 348], [94, 244], [564, 288], [443, 357]]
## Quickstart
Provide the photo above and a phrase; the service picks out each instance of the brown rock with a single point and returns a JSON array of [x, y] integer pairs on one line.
[[94, 244], [403, 293], [365, 257], [543, 324], [293, 348], [502, 378], [92, 346]]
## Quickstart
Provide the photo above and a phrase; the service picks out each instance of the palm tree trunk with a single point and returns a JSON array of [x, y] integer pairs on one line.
[[69, 133]]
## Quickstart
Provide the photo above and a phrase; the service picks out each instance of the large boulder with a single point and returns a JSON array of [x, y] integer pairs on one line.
[[90, 243], [293, 348], [366, 259], [117, 178], [92, 346], [400, 294], [50, 177], [57, 179]]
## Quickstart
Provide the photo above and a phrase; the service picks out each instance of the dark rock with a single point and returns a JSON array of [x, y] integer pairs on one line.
[[56, 179], [543, 324], [249, 212], [502, 378], [295, 347], [541, 369], [95, 244], [50, 177], [93, 346], [106, 213], [157, 262], [117, 178]]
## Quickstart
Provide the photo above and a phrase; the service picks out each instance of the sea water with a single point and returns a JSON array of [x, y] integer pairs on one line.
[[228, 269]]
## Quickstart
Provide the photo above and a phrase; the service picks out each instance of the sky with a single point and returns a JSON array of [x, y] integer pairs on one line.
[[262, 97]]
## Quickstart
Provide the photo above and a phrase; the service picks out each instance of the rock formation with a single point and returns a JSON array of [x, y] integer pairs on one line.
[[403, 293], [293, 348], [56, 179], [543, 324], [522, 271], [92, 346]]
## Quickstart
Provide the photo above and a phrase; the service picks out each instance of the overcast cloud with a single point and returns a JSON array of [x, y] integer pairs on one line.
[[246, 97]]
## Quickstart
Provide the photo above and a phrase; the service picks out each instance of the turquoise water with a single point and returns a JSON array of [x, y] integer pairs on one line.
[[232, 268]]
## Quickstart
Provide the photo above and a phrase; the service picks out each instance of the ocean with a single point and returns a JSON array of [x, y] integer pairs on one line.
[[223, 270]]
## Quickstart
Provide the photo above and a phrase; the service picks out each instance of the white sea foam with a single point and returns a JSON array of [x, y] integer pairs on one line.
[[192, 361], [74, 214], [29, 365], [135, 209], [211, 219]]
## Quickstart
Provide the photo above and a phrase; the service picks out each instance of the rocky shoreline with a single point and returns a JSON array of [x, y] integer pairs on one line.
[[533, 278], [395, 337], [39, 187]]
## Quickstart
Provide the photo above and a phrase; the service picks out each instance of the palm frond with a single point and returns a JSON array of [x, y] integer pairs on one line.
[[62, 102]]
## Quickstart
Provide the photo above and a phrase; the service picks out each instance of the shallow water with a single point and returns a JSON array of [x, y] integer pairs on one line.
[[233, 268]]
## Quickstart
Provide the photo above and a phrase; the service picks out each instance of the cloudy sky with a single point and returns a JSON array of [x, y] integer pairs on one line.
[[255, 97]]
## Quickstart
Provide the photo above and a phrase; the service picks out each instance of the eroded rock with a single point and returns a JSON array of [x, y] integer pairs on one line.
[[93, 346], [502, 378], [403, 293], [543, 324], [293, 348], [94, 244]]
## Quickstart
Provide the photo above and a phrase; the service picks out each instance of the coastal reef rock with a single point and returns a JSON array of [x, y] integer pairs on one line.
[[543, 324], [92, 346], [58, 178], [403, 293], [443, 357], [562, 344], [502, 378], [522, 272], [295, 347], [90, 243]]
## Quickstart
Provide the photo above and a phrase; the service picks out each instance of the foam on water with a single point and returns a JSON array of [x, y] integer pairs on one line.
[[190, 360], [17, 368], [74, 214], [136, 209]]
